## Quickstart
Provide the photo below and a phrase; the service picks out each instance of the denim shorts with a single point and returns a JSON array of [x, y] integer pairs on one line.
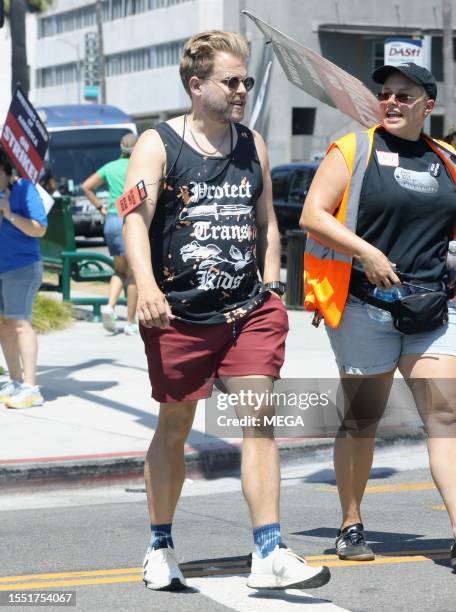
[[365, 346], [18, 289], [113, 235]]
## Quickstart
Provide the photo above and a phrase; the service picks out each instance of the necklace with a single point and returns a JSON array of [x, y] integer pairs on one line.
[[216, 148]]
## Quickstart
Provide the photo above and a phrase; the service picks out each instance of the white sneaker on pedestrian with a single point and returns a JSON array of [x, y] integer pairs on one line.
[[131, 329], [8, 388], [283, 569], [109, 318], [25, 396], [161, 571]]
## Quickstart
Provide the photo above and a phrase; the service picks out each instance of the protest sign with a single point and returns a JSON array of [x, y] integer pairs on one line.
[[319, 77], [24, 137]]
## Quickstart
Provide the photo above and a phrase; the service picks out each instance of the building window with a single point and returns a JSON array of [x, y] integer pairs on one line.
[[149, 58], [303, 121], [85, 17], [437, 126], [378, 55], [57, 75]]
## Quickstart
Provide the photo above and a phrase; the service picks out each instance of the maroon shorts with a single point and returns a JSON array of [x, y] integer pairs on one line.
[[184, 358]]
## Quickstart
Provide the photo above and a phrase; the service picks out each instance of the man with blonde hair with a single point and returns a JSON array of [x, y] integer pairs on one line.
[[193, 246]]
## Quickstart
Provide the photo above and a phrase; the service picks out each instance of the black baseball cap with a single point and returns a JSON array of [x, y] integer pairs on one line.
[[412, 71]]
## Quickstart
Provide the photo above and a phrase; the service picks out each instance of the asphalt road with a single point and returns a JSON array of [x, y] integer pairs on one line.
[[91, 541]]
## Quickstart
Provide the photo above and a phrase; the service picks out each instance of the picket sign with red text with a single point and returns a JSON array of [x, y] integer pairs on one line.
[[321, 78], [24, 137]]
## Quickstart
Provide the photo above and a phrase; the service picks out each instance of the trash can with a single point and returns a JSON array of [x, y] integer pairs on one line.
[[296, 242]]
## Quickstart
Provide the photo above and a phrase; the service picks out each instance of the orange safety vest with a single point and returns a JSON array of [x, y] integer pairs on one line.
[[327, 271]]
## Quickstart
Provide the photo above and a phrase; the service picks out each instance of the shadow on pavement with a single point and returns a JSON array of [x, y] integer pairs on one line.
[[327, 476], [58, 382], [386, 542]]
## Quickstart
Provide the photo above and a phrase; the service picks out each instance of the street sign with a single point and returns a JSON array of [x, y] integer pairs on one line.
[[91, 69], [24, 137], [399, 50], [321, 78], [91, 92]]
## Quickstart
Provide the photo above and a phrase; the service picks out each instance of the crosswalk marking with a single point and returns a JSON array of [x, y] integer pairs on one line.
[[233, 593]]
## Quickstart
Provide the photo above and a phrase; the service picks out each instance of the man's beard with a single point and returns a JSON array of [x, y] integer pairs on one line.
[[219, 110]]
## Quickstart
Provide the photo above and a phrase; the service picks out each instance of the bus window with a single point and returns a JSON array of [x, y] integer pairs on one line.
[[78, 154]]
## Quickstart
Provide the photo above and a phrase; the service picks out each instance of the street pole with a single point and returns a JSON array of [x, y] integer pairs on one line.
[[101, 62], [448, 67]]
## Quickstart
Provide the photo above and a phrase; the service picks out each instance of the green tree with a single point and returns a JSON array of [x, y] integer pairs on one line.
[[16, 11]]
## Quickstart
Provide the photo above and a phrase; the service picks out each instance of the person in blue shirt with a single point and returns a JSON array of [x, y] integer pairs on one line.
[[22, 222]]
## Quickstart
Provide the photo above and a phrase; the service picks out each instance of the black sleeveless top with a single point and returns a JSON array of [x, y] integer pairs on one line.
[[203, 234], [408, 206]]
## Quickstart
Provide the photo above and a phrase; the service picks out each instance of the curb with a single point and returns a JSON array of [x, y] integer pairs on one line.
[[205, 462]]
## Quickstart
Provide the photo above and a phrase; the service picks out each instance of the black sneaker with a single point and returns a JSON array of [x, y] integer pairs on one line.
[[351, 544], [453, 555]]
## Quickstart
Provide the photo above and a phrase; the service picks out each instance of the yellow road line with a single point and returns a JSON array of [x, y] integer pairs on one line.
[[400, 553], [391, 488], [134, 574], [66, 583], [386, 560], [58, 575], [442, 507]]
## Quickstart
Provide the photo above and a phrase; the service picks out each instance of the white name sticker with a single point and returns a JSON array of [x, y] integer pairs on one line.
[[386, 158]]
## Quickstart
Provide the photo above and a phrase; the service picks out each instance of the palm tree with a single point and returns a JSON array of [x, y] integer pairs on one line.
[[16, 11]]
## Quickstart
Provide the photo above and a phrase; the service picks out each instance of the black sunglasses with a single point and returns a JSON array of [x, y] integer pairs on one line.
[[233, 83], [402, 98]]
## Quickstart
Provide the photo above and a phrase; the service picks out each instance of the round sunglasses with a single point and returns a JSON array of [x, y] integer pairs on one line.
[[233, 82]]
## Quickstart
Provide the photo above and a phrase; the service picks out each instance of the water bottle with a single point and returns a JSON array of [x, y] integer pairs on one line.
[[451, 264], [386, 295]]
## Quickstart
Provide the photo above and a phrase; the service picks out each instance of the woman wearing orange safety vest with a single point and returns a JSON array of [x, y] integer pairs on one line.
[[381, 212]]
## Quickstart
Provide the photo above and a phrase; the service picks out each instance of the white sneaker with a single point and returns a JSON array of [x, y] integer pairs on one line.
[[131, 329], [161, 571], [8, 388], [283, 569], [109, 318], [25, 396]]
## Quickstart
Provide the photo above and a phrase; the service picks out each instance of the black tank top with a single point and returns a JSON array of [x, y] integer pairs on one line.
[[408, 206], [203, 234]]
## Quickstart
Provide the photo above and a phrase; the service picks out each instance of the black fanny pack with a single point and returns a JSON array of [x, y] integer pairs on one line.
[[412, 314]]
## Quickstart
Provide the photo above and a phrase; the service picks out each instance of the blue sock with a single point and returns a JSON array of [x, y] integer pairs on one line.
[[161, 537], [266, 538]]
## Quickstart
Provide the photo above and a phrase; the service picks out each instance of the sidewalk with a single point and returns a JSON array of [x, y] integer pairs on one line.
[[98, 417]]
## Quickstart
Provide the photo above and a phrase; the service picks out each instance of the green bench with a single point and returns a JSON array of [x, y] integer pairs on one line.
[[60, 256]]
